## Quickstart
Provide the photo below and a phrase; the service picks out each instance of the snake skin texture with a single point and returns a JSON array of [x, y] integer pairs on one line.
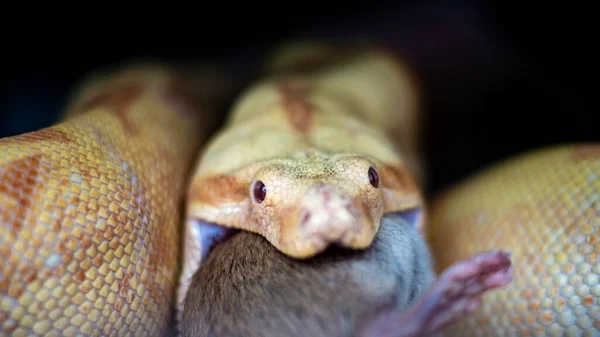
[[90, 208], [91, 214], [543, 207]]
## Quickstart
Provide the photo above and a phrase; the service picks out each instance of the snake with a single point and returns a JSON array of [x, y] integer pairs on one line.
[[107, 214]]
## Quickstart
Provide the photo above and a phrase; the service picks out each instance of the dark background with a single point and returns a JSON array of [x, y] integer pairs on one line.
[[497, 79]]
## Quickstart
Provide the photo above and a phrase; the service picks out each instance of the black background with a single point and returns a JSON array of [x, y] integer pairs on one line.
[[497, 78]]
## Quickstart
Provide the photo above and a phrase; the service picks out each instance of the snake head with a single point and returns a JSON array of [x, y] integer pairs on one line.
[[305, 203]]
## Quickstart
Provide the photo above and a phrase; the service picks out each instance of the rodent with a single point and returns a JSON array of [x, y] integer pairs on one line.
[[246, 287]]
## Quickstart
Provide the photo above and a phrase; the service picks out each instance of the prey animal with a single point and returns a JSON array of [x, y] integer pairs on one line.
[[247, 288]]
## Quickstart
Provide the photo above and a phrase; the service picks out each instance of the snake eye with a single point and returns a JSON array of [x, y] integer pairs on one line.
[[373, 177], [260, 191]]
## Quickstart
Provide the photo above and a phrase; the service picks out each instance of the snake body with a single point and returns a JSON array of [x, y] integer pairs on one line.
[[90, 207], [544, 207]]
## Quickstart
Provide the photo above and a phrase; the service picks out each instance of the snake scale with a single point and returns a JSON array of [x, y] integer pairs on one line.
[[91, 207]]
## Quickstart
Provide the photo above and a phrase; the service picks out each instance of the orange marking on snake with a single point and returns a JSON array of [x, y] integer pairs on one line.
[[314, 62], [588, 301], [156, 249], [4, 278], [79, 276], [358, 203], [219, 189], [397, 177], [180, 92], [15, 291], [528, 294], [586, 152], [86, 242], [44, 135], [18, 181], [294, 97], [29, 274], [118, 101]]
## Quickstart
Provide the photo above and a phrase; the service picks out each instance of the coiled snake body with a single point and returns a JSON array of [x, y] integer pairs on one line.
[[90, 208]]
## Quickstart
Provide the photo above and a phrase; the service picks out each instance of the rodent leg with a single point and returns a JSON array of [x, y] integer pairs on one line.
[[456, 293]]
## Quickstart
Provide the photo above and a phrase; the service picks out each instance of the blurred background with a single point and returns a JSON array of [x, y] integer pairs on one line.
[[497, 79]]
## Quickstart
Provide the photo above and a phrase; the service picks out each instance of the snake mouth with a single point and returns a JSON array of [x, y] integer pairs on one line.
[[413, 217], [209, 235], [199, 240]]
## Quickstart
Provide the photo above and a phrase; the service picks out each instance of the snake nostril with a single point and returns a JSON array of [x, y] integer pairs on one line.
[[326, 198], [305, 218]]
